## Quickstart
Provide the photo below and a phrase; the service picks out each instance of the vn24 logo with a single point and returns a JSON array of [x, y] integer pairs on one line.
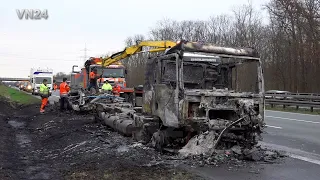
[[33, 14]]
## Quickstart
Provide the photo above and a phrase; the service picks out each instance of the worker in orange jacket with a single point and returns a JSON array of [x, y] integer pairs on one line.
[[64, 89], [55, 86], [93, 79], [116, 89]]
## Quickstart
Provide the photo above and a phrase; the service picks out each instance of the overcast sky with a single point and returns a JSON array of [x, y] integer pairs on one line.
[[102, 24]]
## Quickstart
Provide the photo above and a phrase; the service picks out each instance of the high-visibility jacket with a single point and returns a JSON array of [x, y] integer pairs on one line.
[[106, 87], [64, 88], [44, 90]]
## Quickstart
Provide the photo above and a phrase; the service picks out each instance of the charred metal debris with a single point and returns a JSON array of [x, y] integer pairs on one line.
[[193, 101]]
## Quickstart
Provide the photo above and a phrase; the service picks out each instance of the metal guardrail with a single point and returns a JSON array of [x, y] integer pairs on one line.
[[309, 100], [13, 79]]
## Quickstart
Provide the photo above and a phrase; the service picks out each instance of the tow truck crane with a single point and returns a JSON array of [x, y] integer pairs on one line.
[[112, 70], [159, 46]]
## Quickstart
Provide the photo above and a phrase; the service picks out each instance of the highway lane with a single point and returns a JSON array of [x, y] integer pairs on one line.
[[292, 116], [290, 169], [298, 134], [54, 96]]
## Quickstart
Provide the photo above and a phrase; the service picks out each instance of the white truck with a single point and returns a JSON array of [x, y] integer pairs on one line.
[[37, 75]]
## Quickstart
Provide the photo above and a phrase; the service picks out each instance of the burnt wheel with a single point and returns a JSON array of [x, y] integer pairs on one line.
[[158, 140]]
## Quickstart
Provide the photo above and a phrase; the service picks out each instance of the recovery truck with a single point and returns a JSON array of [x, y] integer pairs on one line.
[[112, 69], [197, 95], [113, 73]]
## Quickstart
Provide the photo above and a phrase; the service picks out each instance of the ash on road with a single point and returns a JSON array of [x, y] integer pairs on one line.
[[72, 146]]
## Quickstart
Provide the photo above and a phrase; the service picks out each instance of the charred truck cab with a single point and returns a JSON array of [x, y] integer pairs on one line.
[[195, 88]]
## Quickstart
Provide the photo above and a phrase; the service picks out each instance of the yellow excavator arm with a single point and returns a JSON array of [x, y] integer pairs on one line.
[[157, 46]]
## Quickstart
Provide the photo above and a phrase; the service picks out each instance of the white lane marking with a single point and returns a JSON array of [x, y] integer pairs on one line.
[[277, 127], [290, 119], [314, 161], [294, 153], [293, 113]]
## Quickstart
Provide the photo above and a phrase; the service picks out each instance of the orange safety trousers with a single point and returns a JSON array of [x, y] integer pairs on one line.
[[44, 103]]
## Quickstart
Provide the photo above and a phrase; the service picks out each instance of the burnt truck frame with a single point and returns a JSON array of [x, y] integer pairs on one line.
[[187, 91]]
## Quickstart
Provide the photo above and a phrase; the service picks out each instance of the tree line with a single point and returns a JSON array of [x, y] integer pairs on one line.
[[60, 75], [289, 44]]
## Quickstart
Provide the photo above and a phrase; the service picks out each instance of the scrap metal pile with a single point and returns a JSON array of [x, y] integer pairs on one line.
[[189, 102], [231, 122], [81, 100]]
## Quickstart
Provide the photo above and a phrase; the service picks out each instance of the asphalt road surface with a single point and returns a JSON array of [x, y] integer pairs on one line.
[[296, 134], [54, 96]]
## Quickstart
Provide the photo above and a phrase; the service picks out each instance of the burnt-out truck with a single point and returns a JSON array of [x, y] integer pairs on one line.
[[193, 89]]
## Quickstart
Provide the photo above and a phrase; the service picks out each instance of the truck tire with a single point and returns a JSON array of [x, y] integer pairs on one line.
[[158, 140]]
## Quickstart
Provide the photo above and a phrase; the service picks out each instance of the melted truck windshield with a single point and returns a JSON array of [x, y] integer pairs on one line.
[[112, 72], [200, 72]]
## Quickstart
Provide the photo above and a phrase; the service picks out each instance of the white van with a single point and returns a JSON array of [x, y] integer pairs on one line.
[[37, 76]]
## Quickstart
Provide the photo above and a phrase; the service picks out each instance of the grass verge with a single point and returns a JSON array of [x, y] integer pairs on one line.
[[294, 110], [17, 96]]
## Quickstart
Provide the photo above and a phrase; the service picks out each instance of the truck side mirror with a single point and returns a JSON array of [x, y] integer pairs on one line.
[[73, 68], [75, 71], [126, 71]]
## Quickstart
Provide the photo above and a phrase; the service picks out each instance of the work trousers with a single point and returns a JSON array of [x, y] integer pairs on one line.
[[44, 102], [92, 85], [63, 101]]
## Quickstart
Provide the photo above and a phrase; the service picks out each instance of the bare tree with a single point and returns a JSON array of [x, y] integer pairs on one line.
[[289, 45], [296, 24], [135, 63]]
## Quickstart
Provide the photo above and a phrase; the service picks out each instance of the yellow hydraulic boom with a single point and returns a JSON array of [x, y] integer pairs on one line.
[[158, 46]]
